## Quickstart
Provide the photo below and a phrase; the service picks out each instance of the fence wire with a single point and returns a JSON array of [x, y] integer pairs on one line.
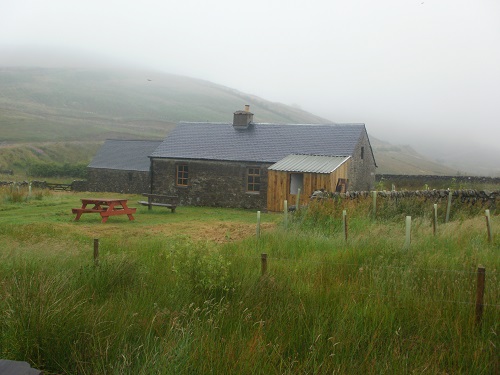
[[368, 267], [435, 270]]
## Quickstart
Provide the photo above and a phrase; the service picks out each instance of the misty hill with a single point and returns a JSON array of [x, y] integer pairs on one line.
[[399, 159], [46, 113], [69, 104]]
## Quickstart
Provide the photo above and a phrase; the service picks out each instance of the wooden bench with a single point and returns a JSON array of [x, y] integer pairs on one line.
[[167, 201], [59, 187], [86, 210]]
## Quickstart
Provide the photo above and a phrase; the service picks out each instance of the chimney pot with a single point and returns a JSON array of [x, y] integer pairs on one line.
[[242, 119]]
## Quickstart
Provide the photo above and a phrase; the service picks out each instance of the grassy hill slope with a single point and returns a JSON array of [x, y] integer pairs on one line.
[[397, 159], [68, 113], [70, 104]]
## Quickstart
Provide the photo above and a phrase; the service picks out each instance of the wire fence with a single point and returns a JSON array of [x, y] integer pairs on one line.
[[372, 266], [267, 264]]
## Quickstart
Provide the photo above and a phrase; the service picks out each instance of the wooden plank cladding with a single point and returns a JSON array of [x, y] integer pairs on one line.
[[280, 184]]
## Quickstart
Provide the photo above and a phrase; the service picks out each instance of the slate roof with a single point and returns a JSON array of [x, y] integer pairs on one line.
[[260, 142], [124, 155], [309, 163]]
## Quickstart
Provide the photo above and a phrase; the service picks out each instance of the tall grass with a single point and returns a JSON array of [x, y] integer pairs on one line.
[[17, 194], [170, 305]]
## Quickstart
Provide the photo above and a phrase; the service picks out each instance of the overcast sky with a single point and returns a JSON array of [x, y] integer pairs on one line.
[[425, 73]]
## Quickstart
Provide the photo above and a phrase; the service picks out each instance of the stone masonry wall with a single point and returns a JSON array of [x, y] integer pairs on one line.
[[413, 182], [361, 172], [488, 199], [76, 185], [210, 183], [117, 181]]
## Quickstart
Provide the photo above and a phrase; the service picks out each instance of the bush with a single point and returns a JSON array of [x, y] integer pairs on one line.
[[57, 170]]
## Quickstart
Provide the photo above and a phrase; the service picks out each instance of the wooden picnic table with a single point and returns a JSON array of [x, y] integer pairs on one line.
[[105, 207]]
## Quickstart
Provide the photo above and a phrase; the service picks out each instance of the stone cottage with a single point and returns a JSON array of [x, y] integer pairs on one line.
[[259, 165], [121, 166]]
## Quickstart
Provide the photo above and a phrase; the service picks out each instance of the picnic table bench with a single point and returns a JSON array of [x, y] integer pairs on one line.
[[105, 207], [160, 200]]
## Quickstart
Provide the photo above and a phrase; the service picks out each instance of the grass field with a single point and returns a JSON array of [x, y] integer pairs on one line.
[[183, 293]]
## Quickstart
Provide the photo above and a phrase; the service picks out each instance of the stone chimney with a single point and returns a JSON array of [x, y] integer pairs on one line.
[[242, 119]]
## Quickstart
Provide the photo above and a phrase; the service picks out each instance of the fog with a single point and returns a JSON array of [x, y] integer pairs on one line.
[[424, 73]]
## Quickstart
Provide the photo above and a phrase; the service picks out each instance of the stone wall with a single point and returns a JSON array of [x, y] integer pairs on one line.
[[24, 184], [361, 173], [411, 182], [489, 199], [210, 183], [80, 185], [117, 181], [77, 185]]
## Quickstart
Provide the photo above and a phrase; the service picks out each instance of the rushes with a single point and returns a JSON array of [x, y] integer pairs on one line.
[[158, 304]]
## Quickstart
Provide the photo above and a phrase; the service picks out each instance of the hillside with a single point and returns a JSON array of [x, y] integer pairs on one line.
[[397, 159], [63, 115], [75, 104]]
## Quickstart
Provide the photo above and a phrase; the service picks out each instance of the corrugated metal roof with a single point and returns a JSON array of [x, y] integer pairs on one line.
[[259, 142], [124, 155], [309, 163]]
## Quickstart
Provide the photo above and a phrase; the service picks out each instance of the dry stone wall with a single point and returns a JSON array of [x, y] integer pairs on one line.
[[489, 199], [413, 182], [77, 185]]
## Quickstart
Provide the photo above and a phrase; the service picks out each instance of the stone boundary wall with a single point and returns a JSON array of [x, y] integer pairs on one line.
[[80, 185], [34, 184], [430, 179], [77, 185], [483, 197]]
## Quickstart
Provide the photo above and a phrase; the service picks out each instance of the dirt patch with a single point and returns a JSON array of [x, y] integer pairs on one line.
[[219, 232]]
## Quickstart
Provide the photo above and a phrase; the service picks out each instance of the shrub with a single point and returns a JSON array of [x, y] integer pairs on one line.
[[37, 169]]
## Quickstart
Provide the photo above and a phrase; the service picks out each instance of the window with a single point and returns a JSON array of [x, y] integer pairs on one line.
[[182, 175], [362, 153], [296, 183], [253, 180]]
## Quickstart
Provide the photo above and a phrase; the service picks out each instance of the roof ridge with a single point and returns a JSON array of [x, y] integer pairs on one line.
[[279, 123], [134, 140]]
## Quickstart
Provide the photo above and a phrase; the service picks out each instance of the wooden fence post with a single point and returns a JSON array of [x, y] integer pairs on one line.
[[96, 251], [344, 221], [408, 232], [297, 204], [481, 276], [263, 265], [258, 225], [448, 208], [374, 193], [488, 225], [435, 220], [285, 212]]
